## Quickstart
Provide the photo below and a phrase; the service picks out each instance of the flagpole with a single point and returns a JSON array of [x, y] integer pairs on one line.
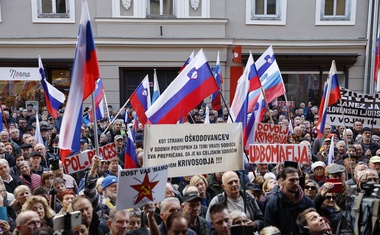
[[95, 124], [225, 105], [345, 139], [105, 101], [109, 124]]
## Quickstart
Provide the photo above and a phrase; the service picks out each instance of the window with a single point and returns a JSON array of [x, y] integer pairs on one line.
[[161, 9], [266, 12], [53, 11], [335, 12]]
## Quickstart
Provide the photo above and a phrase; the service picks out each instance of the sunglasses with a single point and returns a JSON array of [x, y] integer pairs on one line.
[[330, 197], [311, 187]]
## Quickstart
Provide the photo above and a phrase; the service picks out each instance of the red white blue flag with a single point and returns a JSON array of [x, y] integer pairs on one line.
[[54, 98], [99, 101], [189, 88], [140, 99], [216, 97], [331, 95], [85, 72], [130, 157], [187, 61], [156, 87]]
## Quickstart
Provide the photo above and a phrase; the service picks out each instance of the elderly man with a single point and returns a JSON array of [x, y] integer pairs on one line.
[[35, 161], [10, 181], [220, 220], [374, 163], [97, 226], [369, 146], [27, 222], [191, 206], [119, 146], [168, 206], [233, 198], [118, 222]]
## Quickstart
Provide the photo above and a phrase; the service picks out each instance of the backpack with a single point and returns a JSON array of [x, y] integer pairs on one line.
[[366, 212]]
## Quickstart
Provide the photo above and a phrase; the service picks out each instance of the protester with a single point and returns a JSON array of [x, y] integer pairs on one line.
[[310, 222]]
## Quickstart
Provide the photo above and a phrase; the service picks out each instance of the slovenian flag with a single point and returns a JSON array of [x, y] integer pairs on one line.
[[53, 97], [130, 157], [99, 101], [187, 61], [216, 97], [140, 99], [189, 88], [85, 72], [331, 95]]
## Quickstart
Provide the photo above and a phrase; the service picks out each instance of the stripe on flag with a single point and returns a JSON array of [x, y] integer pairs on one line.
[[140, 99]]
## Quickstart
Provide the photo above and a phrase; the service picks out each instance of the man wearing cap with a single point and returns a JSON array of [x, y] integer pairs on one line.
[[109, 186], [191, 206], [337, 171], [119, 146], [257, 192], [369, 146], [374, 163], [35, 163], [26, 150], [83, 144], [319, 141]]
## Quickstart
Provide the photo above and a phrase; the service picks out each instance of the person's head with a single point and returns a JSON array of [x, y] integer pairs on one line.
[[117, 125], [192, 204], [336, 171], [262, 168], [4, 169], [59, 172], [358, 126], [119, 141], [35, 159], [22, 193], [39, 205], [81, 229], [169, 190], [318, 168], [238, 218], [341, 146], [82, 203], [220, 219], [310, 222], [201, 183], [114, 165], [118, 222], [41, 149], [367, 176], [374, 163], [269, 184], [27, 221], [231, 184], [67, 198], [347, 134], [359, 150], [25, 168], [8, 148], [134, 219], [59, 186], [361, 166], [289, 180], [47, 179], [176, 224], [32, 141], [109, 186], [270, 230], [168, 206], [329, 201], [311, 189]]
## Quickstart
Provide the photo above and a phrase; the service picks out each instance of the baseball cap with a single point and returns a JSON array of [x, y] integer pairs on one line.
[[374, 159], [110, 179], [252, 186], [118, 137], [35, 153], [83, 140], [187, 197], [139, 137]]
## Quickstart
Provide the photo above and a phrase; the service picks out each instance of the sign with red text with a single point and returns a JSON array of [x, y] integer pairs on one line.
[[194, 149], [81, 161], [276, 153], [267, 133], [291, 104], [142, 185]]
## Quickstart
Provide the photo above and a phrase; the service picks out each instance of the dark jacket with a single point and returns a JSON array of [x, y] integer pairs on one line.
[[10, 187], [282, 213], [203, 227], [334, 216]]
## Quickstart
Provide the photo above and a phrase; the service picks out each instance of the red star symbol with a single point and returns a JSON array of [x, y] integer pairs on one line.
[[144, 189]]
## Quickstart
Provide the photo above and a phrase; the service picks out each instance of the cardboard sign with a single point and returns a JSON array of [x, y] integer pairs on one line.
[[82, 160], [275, 153], [137, 187], [291, 104], [270, 133], [194, 149]]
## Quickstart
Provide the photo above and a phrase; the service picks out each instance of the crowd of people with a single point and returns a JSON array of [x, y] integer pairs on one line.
[[262, 199]]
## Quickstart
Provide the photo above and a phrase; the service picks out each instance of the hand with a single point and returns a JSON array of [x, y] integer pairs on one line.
[[368, 153], [4, 225], [96, 163], [149, 210], [326, 188]]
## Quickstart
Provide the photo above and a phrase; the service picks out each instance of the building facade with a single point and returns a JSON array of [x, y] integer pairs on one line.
[[134, 37]]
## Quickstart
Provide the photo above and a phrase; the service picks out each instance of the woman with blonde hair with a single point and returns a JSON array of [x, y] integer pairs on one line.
[[40, 205], [201, 183], [21, 194], [270, 230]]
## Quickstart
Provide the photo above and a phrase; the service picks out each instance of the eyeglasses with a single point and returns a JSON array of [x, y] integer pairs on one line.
[[330, 197], [310, 187]]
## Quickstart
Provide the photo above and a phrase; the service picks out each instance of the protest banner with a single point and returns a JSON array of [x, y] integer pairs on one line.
[[81, 161], [355, 106], [194, 149], [141, 185], [291, 104], [270, 133], [275, 153]]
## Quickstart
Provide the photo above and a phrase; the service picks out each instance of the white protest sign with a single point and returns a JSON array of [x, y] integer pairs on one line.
[[137, 187], [270, 133], [275, 153], [191, 149], [82, 160]]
